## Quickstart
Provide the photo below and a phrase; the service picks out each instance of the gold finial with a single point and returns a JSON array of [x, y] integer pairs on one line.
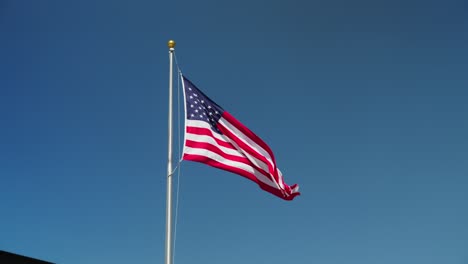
[[171, 44]]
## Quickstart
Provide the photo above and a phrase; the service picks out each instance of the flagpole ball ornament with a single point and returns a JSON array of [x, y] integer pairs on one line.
[[171, 44]]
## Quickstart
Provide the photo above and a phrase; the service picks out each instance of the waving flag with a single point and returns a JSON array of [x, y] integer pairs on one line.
[[216, 138]]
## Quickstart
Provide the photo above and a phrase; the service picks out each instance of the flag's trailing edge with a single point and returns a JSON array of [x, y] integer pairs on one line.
[[216, 138]]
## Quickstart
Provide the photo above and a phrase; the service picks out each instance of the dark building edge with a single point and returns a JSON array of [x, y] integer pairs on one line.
[[11, 258]]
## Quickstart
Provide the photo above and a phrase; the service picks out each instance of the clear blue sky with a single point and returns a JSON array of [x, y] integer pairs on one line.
[[365, 104]]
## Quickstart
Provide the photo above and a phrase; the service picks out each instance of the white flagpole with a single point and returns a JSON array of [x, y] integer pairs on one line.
[[168, 257]]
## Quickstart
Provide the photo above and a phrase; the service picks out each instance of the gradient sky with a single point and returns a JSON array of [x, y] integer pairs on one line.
[[365, 104]]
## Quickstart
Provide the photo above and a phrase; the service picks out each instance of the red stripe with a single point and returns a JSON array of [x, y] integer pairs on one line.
[[246, 131], [273, 173], [217, 150], [210, 147], [248, 150], [216, 164], [279, 193], [208, 132], [245, 147], [250, 176]]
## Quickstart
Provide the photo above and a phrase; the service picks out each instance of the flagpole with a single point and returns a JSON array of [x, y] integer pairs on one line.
[[168, 251]]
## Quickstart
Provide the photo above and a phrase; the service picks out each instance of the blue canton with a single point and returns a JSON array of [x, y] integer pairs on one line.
[[201, 107]]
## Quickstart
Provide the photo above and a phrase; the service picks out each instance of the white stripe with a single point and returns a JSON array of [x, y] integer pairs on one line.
[[203, 124], [224, 138], [211, 141], [295, 190], [262, 165], [231, 163], [246, 140], [280, 178], [241, 136]]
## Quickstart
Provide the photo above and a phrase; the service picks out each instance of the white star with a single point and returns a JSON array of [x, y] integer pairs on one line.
[[202, 101], [190, 89], [191, 105], [209, 106], [196, 110], [201, 116], [196, 102], [195, 95], [192, 115], [191, 97]]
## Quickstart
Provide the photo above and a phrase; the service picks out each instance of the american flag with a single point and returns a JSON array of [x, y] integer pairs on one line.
[[216, 138]]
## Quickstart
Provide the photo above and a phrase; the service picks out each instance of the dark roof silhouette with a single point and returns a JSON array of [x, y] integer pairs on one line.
[[11, 258]]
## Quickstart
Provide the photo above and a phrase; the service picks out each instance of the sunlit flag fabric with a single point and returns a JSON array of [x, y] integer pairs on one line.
[[216, 138]]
